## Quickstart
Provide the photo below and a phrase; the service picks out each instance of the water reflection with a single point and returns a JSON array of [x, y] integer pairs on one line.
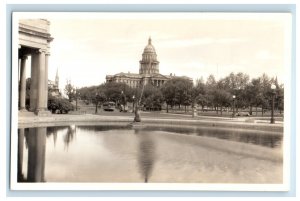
[[114, 153], [69, 136], [146, 153], [246, 136], [52, 131], [35, 141], [105, 127], [20, 175]]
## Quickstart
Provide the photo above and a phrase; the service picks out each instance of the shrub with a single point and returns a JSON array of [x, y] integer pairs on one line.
[[59, 105]]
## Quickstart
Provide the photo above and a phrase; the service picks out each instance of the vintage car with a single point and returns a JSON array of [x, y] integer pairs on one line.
[[109, 106]]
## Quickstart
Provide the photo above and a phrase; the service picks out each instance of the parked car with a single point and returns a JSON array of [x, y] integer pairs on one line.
[[109, 106]]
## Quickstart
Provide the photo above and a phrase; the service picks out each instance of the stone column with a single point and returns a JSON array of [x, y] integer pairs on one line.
[[41, 98], [46, 79], [34, 81], [22, 94]]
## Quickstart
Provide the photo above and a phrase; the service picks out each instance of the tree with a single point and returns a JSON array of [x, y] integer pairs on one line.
[[70, 91], [211, 81], [99, 98], [236, 84], [280, 98], [168, 91], [222, 98], [211, 86], [152, 97], [254, 94], [113, 91], [266, 93], [177, 91], [58, 104]]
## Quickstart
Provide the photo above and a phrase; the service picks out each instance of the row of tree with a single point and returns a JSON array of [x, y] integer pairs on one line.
[[213, 94], [247, 93]]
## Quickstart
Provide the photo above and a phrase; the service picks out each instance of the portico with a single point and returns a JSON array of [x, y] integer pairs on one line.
[[34, 43]]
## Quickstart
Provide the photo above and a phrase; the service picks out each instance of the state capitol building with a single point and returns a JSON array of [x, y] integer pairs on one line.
[[148, 73]]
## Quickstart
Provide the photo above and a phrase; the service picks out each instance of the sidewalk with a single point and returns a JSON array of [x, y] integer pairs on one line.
[[157, 118]]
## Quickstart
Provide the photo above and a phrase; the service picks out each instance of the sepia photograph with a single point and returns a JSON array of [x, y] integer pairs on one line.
[[150, 101]]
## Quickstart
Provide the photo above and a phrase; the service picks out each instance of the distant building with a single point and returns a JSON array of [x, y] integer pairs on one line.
[[53, 86], [148, 72]]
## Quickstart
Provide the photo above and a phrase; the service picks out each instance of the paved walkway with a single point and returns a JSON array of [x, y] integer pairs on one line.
[[30, 120]]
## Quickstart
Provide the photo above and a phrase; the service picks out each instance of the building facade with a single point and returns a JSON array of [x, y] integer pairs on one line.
[[34, 41], [148, 71]]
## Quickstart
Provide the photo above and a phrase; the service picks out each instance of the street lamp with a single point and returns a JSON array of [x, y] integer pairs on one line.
[[133, 98], [233, 109], [76, 96], [124, 101], [96, 102], [273, 87]]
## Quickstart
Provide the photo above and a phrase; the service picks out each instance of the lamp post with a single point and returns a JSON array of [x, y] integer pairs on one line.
[[76, 96], [96, 102], [233, 108], [273, 87], [124, 101], [133, 98]]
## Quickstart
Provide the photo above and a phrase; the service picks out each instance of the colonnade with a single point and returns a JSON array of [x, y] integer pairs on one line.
[[34, 42], [158, 82], [39, 81]]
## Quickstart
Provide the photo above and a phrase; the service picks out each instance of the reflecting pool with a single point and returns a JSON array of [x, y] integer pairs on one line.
[[150, 153]]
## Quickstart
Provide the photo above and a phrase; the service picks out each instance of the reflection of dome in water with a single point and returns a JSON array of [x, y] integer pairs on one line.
[[146, 156]]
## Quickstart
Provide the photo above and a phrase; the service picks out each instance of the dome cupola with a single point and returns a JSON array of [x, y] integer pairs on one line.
[[149, 48]]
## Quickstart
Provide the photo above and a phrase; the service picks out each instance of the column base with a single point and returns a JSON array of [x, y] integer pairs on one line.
[[31, 109], [42, 112], [23, 110]]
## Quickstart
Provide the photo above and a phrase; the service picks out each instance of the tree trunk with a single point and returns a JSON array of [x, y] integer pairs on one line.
[[167, 108], [250, 110], [256, 110], [262, 111], [221, 110], [185, 109]]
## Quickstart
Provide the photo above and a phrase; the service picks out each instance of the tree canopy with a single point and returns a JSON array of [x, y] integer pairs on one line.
[[182, 92]]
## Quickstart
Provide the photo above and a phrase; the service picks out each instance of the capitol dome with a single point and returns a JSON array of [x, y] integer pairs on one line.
[[149, 63]]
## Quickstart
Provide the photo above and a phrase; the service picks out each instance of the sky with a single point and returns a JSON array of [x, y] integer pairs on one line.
[[87, 48]]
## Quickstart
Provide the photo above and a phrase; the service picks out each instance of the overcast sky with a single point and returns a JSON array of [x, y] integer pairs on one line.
[[86, 49]]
